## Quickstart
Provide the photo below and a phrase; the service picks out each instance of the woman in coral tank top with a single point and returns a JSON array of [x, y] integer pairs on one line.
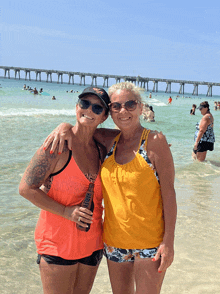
[[67, 187], [139, 197]]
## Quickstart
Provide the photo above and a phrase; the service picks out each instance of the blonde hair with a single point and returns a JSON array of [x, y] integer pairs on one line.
[[128, 86]]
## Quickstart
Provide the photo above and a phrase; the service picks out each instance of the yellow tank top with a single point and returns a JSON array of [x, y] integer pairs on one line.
[[132, 199]]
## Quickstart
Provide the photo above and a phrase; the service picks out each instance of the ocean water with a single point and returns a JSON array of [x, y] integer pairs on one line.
[[27, 119]]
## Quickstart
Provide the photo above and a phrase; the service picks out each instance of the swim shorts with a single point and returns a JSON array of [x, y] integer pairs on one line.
[[204, 146], [92, 260], [124, 255]]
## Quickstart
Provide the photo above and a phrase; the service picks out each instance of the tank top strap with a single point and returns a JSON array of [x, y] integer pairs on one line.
[[111, 151], [144, 137], [143, 152], [211, 121]]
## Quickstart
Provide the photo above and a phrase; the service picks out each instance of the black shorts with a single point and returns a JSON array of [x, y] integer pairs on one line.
[[204, 146], [92, 260]]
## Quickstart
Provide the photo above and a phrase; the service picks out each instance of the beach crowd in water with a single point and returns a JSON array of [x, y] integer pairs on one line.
[[41, 91]]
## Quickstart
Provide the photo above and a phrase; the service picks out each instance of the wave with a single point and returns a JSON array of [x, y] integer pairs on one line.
[[156, 102], [35, 112]]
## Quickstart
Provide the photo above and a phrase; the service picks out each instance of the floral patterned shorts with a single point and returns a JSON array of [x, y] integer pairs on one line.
[[124, 255]]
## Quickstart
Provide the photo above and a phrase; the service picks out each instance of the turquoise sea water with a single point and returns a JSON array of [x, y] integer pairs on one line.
[[27, 119]]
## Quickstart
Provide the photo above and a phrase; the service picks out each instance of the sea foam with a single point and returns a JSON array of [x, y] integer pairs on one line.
[[7, 112]]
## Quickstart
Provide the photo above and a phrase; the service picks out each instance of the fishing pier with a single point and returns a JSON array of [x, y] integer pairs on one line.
[[142, 82]]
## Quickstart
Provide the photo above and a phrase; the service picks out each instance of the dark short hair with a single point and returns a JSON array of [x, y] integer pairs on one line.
[[204, 104]]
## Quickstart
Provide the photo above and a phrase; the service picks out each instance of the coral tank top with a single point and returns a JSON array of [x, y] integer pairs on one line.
[[57, 236]]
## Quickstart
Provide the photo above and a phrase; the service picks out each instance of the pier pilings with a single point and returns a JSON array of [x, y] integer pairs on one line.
[[138, 81], [181, 90], [209, 92]]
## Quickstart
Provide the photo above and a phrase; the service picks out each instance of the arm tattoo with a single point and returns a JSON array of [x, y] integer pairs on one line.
[[47, 185], [37, 169]]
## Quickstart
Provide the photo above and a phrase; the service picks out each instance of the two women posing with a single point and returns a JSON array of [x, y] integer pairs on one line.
[[136, 179]]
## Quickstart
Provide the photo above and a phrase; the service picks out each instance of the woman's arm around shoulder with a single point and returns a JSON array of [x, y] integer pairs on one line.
[[162, 160], [105, 136], [58, 137], [63, 133]]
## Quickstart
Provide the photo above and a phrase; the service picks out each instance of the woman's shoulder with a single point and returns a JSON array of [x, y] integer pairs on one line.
[[155, 136], [158, 149], [208, 118], [157, 141]]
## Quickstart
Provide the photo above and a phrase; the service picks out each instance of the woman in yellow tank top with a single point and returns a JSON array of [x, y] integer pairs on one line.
[[139, 197]]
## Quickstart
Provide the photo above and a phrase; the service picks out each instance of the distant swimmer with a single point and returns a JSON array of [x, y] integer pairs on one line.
[[24, 87], [170, 100], [41, 90], [35, 91], [151, 115], [53, 98], [150, 95], [215, 105], [148, 113], [145, 110], [193, 110]]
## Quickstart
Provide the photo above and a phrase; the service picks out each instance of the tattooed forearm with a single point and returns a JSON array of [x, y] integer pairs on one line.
[[47, 185], [38, 168]]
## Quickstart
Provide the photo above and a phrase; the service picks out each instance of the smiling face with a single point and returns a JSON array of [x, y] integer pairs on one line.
[[125, 119], [87, 117]]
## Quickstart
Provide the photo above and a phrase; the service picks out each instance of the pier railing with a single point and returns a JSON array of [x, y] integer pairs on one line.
[[139, 81]]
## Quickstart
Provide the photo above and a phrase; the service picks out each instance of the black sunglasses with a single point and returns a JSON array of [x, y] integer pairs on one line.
[[85, 104], [129, 105]]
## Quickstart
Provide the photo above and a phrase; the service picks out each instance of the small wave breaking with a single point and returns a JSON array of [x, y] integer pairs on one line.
[[35, 112]]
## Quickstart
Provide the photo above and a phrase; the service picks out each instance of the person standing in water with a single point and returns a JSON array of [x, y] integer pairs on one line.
[[170, 100], [193, 110], [204, 136]]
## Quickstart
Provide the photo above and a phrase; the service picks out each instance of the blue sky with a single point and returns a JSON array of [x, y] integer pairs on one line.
[[161, 39]]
